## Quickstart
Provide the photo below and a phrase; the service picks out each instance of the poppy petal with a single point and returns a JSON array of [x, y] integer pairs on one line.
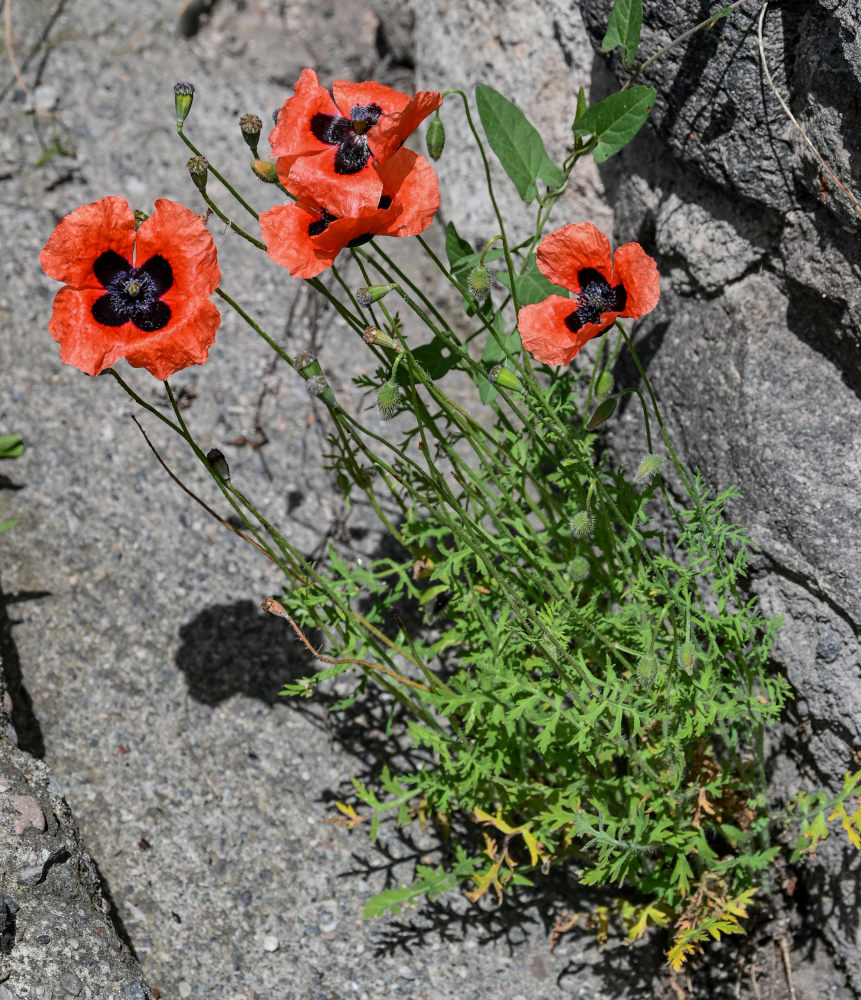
[[292, 135], [638, 273], [313, 178], [417, 190], [83, 236], [393, 129], [545, 335], [185, 341], [285, 233], [176, 234], [573, 248], [350, 95], [84, 343]]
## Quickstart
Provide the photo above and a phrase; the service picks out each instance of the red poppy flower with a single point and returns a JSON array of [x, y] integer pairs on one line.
[[578, 257], [306, 236], [143, 296], [327, 147]]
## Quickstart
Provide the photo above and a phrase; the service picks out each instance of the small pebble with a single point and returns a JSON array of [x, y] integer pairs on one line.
[[184, 990], [270, 943]]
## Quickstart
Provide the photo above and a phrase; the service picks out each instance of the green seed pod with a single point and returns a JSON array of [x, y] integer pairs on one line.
[[373, 293], [502, 377], [378, 338], [183, 95], [198, 168], [250, 126], [435, 137]]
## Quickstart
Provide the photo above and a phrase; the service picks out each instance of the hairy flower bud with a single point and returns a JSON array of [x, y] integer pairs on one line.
[[388, 399], [478, 283], [582, 524], [579, 569], [688, 655], [183, 95], [250, 126], [648, 467], [373, 293], [648, 669], [198, 168], [604, 385], [266, 171], [435, 137]]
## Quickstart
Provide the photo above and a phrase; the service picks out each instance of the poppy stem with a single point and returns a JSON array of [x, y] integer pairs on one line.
[[236, 229], [215, 173]]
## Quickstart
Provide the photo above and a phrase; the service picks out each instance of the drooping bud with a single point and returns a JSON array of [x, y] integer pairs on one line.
[[373, 293], [579, 569], [250, 126], [183, 95], [435, 137], [603, 412], [648, 467], [604, 385], [582, 524], [218, 464], [648, 669], [501, 376], [266, 171], [377, 338], [688, 655], [388, 399], [478, 283], [198, 168]]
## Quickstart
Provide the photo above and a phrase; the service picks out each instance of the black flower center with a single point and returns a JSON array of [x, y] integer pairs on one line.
[[320, 225], [595, 298], [348, 134], [132, 294]]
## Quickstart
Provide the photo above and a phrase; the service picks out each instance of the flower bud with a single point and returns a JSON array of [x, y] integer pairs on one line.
[[688, 655], [250, 126], [388, 399], [501, 376], [435, 137], [603, 412], [648, 467], [648, 669], [266, 171], [198, 168], [478, 283], [604, 385], [377, 338], [373, 293], [579, 569], [582, 524], [183, 95], [218, 464]]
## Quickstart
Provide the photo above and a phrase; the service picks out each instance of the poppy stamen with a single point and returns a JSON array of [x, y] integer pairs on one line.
[[348, 134], [596, 297], [132, 294]]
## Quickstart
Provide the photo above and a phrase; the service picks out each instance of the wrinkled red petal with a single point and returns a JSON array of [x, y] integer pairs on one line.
[[341, 232], [84, 343], [349, 95], [292, 135], [416, 187], [545, 335], [184, 341], [638, 273], [180, 236], [392, 130], [313, 178], [562, 254], [85, 234], [285, 233]]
